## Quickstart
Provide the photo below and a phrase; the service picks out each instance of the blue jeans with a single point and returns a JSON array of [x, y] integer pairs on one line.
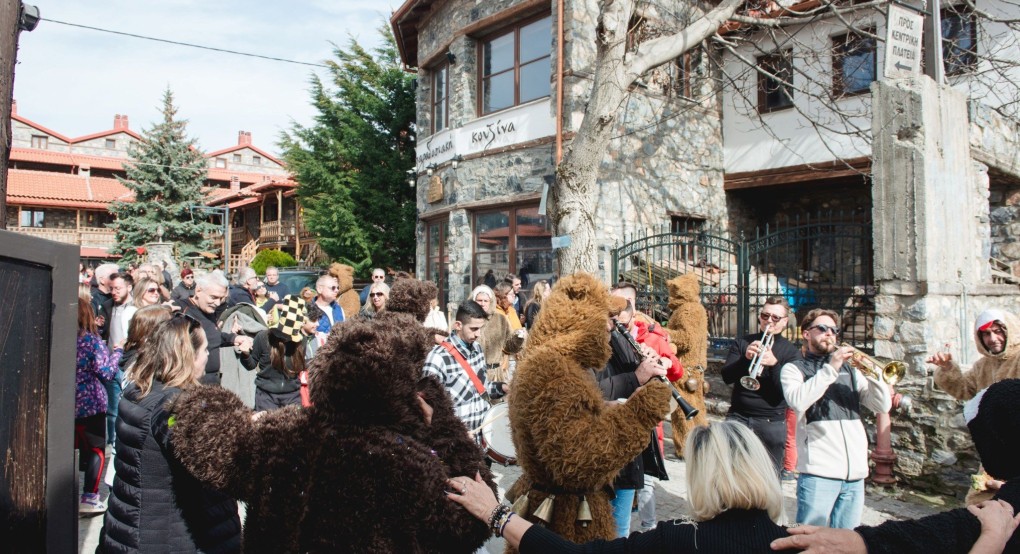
[[113, 391], [829, 502], [622, 505]]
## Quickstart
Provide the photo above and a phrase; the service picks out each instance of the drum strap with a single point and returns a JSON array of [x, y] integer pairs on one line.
[[467, 367], [306, 399]]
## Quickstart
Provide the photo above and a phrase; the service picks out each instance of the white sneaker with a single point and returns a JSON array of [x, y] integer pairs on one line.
[[91, 504]]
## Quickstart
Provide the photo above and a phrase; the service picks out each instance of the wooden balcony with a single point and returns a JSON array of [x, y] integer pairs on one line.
[[96, 237], [277, 232]]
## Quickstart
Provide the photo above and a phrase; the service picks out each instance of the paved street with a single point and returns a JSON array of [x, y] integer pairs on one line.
[[670, 503]]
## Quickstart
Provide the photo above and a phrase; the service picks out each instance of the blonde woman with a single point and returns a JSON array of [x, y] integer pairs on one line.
[[736, 500], [538, 293], [155, 504], [145, 293], [378, 294], [498, 340]]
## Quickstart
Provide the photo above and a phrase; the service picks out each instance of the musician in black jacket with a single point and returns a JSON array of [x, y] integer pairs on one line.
[[762, 410]]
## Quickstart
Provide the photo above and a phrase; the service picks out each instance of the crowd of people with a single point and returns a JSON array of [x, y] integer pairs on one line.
[[143, 340]]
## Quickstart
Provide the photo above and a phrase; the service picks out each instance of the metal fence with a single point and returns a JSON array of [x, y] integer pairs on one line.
[[821, 261]]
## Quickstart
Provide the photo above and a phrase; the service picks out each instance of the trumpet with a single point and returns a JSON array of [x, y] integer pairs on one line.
[[890, 373], [750, 381]]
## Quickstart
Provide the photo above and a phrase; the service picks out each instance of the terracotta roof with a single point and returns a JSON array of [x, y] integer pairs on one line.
[[43, 188], [237, 147], [93, 252], [217, 197], [106, 133], [35, 125], [64, 158], [244, 202]]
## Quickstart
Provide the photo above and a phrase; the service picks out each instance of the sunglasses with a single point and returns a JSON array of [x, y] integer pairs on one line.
[[770, 317], [147, 291], [825, 329], [333, 287], [192, 322], [373, 294]]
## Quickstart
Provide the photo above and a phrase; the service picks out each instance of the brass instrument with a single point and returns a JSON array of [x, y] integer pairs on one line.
[[750, 381], [891, 372], [688, 410]]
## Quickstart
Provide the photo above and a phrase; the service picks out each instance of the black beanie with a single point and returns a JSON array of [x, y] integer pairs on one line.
[[995, 428]]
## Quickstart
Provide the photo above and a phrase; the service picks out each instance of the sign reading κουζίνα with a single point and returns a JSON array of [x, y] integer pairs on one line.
[[902, 42]]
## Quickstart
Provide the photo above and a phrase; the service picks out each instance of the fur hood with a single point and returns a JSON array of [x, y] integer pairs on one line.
[[576, 310], [1012, 325]]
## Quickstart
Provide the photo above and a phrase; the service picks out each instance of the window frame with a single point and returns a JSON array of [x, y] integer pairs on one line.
[[256, 160], [236, 158], [848, 42], [512, 250], [437, 125], [220, 163], [970, 59], [111, 144], [440, 258], [515, 30], [769, 63], [37, 218], [40, 142]]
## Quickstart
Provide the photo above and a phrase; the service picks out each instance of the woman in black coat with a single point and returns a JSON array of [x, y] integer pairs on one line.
[[155, 505]]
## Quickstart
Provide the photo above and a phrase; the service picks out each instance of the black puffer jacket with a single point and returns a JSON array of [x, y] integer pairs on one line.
[[155, 504]]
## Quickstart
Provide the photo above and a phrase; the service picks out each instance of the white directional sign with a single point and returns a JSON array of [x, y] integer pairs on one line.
[[903, 42]]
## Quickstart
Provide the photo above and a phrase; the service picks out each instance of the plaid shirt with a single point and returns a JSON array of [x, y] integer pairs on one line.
[[469, 406]]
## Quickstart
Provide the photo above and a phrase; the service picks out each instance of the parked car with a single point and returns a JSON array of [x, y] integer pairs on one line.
[[297, 279]]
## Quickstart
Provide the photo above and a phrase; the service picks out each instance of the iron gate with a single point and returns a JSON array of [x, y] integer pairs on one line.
[[816, 262]]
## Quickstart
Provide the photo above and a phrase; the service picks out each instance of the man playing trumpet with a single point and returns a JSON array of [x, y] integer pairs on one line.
[[827, 392], [763, 410]]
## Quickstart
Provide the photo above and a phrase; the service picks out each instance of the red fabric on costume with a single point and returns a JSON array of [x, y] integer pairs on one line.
[[654, 336]]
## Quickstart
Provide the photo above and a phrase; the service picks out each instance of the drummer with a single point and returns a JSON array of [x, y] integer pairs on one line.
[[458, 363]]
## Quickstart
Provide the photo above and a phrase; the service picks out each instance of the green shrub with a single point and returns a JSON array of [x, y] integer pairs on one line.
[[276, 258]]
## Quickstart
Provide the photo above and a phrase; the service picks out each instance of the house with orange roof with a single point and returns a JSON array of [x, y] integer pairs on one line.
[[60, 188]]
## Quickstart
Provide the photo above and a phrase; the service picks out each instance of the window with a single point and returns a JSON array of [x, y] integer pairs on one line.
[[256, 160], [237, 158], [775, 90], [692, 229], [97, 219], [959, 41], [854, 63], [40, 142], [32, 218], [515, 66], [437, 261], [221, 163], [111, 144], [513, 240], [440, 97]]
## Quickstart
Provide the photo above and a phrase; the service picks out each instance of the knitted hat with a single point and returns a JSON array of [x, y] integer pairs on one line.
[[290, 318], [986, 318], [994, 425]]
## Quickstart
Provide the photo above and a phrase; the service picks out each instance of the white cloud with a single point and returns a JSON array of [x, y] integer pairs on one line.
[[74, 80]]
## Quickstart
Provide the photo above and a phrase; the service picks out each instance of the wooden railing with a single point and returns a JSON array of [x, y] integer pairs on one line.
[[98, 237], [277, 232]]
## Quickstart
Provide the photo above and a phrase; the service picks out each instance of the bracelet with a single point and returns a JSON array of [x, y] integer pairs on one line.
[[505, 521], [498, 518]]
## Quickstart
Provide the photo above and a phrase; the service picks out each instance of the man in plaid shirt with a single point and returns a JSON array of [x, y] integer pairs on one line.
[[468, 403]]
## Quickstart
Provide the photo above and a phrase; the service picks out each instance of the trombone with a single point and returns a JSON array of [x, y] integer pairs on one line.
[[890, 373], [750, 381]]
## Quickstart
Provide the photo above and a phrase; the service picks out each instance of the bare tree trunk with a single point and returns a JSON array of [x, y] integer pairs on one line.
[[573, 198], [10, 11]]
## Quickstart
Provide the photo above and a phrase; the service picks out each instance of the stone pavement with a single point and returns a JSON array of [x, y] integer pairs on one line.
[[670, 502]]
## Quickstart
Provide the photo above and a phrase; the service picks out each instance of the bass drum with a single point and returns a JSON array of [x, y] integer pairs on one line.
[[496, 437]]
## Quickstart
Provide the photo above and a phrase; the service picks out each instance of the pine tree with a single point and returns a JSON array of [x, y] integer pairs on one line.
[[166, 174], [350, 164]]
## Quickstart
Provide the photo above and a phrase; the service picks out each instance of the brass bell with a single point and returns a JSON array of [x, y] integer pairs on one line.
[[545, 509], [584, 512], [691, 384], [520, 506]]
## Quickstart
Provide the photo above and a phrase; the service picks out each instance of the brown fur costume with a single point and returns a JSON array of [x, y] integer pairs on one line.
[[570, 441], [359, 471], [347, 297], [688, 330]]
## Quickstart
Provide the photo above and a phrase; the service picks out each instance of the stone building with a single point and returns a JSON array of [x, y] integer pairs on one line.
[[926, 175], [493, 114], [60, 188]]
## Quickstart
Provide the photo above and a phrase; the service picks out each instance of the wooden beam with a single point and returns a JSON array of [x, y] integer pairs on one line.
[[798, 174]]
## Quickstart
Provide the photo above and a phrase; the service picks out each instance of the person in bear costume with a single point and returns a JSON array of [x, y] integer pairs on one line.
[[361, 470], [570, 442], [347, 297], [688, 331]]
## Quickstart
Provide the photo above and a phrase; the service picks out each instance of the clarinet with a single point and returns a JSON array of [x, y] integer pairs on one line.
[[688, 410]]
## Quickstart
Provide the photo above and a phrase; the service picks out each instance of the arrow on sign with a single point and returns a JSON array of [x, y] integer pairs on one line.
[[901, 67]]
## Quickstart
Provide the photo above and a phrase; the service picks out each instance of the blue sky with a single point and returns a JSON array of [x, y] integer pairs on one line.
[[74, 80]]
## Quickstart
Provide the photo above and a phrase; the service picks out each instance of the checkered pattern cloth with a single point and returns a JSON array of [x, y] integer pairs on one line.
[[469, 406], [290, 317]]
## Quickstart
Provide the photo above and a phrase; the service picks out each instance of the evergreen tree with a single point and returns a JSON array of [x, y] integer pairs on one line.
[[351, 163], [166, 173]]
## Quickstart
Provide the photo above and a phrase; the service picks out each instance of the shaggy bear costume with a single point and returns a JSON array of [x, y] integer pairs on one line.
[[359, 471], [688, 330], [569, 441], [347, 297]]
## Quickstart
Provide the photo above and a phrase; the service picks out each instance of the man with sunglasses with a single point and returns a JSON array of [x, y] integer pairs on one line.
[[827, 393], [328, 289], [210, 293], [763, 411]]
